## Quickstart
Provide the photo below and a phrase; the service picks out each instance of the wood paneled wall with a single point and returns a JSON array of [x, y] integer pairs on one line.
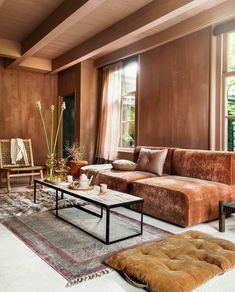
[[89, 108], [173, 99], [19, 90], [83, 79]]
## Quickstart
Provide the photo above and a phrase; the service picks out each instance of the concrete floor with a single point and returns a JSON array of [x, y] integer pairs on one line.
[[21, 270]]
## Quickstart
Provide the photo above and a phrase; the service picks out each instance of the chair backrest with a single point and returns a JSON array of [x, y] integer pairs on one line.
[[5, 154]]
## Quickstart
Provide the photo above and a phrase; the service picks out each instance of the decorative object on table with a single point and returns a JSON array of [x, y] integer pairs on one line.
[[76, 186], [69, 178], [178, 263], [84, 180], [59, 241], [62, 170], [103, 188], [83, 183], [76, 154], [51, 161]]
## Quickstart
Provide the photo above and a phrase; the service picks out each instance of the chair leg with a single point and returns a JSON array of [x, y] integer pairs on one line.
[[0, 180], [8, 183], [41, 176], [30, 180]]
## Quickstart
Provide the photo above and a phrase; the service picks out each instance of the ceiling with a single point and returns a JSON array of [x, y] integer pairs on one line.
[[63, 33]]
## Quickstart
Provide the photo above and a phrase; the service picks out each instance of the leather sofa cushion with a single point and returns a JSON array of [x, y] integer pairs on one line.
[[119, 180], [178, 263], [209, 165], [182, 200]]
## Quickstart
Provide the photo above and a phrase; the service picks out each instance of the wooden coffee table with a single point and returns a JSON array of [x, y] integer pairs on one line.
[[107, 202], [225, 208]]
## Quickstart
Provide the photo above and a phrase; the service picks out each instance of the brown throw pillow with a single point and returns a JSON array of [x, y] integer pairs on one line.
[[123, 164], [152, 160]]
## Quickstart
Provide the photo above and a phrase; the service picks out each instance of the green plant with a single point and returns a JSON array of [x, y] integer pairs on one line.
[[75, 151]]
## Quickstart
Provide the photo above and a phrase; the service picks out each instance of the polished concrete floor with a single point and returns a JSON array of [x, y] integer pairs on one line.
[[21, 270]]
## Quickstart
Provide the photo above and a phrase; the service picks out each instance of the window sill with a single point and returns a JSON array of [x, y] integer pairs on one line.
[[126, 150]]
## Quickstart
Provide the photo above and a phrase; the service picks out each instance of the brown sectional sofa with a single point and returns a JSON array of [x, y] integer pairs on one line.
[[188, 192]]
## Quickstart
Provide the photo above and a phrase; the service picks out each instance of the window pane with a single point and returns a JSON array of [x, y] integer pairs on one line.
[[230, 95], [231, 134], [231, 51], [128, 108], [127, 139], [129, 78]]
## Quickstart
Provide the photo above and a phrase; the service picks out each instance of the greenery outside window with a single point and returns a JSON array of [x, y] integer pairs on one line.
[[229, 89], [128, 101]]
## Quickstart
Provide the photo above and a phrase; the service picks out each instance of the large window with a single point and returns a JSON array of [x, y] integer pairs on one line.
[[229, 89], [128, 101]]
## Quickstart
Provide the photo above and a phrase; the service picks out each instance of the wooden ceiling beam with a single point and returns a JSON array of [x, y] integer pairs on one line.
[[149, 16], [1, 2], [36, 64], [66, 15], [210, 17], [9, 49]]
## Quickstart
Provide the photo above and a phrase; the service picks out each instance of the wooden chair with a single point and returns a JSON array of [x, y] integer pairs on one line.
[[20, 168]]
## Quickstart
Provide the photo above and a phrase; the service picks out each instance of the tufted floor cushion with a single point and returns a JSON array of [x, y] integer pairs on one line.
[[182, 200], [119, 180], [178, 263]]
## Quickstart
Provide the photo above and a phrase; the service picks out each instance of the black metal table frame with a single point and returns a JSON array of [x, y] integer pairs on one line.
[[102, 206]]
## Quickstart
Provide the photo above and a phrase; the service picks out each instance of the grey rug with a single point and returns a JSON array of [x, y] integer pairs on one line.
[[74, 254], [21, 203]]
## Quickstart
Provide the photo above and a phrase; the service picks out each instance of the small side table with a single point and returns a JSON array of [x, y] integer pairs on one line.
[[225, 208]]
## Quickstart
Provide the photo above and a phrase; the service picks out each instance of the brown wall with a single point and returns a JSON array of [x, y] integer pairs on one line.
[[173, 99], [83, 79], [19, 90], [89, 108]]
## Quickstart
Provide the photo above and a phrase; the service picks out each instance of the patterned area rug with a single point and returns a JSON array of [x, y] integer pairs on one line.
[[21, 203], [74, 254]]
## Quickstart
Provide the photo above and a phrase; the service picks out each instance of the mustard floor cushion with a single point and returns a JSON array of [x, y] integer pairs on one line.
[[180, 262]]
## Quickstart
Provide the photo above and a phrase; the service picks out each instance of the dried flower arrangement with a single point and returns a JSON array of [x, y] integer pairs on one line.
[[75, 151]]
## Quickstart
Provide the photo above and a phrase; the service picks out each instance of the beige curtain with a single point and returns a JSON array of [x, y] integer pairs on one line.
[[109, 123]]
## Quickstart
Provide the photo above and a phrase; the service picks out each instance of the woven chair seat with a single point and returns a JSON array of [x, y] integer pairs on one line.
[[26, 168], [20, 168]]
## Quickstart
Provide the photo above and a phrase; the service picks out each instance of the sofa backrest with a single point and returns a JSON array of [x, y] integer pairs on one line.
[[216, 166], [167, 165]]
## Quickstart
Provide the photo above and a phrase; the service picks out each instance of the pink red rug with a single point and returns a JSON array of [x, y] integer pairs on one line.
[[71, 252]]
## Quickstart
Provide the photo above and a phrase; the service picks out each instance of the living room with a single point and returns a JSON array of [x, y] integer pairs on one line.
[[122, 80]]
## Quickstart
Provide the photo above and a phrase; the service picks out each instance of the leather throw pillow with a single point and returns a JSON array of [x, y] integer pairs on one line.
[[152, 160]]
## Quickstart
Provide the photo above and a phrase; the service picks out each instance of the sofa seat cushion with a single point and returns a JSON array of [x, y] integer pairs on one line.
[[182, 200], [119, 180], [178, 263]]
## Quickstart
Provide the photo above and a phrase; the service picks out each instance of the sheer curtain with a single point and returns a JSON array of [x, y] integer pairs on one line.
[[109, 123]]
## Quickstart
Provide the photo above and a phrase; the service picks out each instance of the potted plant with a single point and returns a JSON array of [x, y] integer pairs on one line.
[[75, 158]]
